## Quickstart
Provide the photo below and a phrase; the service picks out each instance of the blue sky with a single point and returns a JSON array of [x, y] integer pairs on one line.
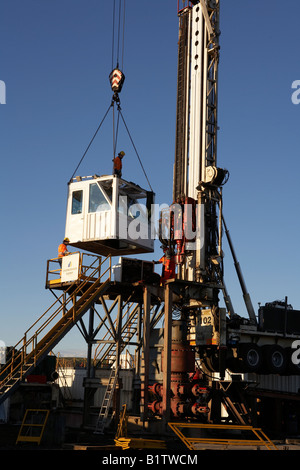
[[55, 59]]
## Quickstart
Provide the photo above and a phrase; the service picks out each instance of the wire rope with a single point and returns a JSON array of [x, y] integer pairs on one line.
[[118, 33], [123, 40], [116, 136], [91, 141], [113, 35], [135, 148], [115, 131], [119, 28]]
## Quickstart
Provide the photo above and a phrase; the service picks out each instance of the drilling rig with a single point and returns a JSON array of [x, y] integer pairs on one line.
[[191, 232], [181, 369], [191, 228]]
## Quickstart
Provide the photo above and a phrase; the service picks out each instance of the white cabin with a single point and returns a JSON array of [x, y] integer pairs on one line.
[[107, 215]]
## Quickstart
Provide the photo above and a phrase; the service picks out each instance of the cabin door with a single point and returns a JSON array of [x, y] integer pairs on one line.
[[76, 216]]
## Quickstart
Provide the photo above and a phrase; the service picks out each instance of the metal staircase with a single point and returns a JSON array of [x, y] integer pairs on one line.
[[106, 350], [109, 353], [52, 326]]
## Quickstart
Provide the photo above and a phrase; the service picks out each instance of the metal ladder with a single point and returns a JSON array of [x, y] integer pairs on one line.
[[103, 418]]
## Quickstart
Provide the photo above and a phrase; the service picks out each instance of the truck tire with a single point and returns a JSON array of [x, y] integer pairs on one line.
[[251, 357], [274, 359]]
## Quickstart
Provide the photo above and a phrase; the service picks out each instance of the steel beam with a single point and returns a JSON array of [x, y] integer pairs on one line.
[[166, 398], [146, 354]]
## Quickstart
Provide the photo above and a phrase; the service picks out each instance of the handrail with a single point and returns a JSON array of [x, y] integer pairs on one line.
[[82, 267], [62, 296], [189, 441], [19, 358]]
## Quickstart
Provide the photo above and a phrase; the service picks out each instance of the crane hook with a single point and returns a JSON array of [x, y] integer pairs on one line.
[[116, 79]]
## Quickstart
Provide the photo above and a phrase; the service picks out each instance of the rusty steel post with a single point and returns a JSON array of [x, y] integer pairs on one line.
[[166, 398], [146, 351]]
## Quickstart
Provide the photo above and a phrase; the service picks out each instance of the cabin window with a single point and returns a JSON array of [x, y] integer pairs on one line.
[[77, 202], [97, 200], [133, 208]]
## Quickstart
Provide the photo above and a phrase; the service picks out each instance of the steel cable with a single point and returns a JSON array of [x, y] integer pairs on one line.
[[135, 149], [90, 142]]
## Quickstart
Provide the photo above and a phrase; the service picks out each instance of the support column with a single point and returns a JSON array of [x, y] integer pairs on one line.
[[118, 359], [139, 337], [166, 398], [146, 355], [89, 389], [89, 340], [138, 364]]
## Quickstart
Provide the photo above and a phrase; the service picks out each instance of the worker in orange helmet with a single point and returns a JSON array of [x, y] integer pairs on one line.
[[169, 267], [62, 249], [118, 164]]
